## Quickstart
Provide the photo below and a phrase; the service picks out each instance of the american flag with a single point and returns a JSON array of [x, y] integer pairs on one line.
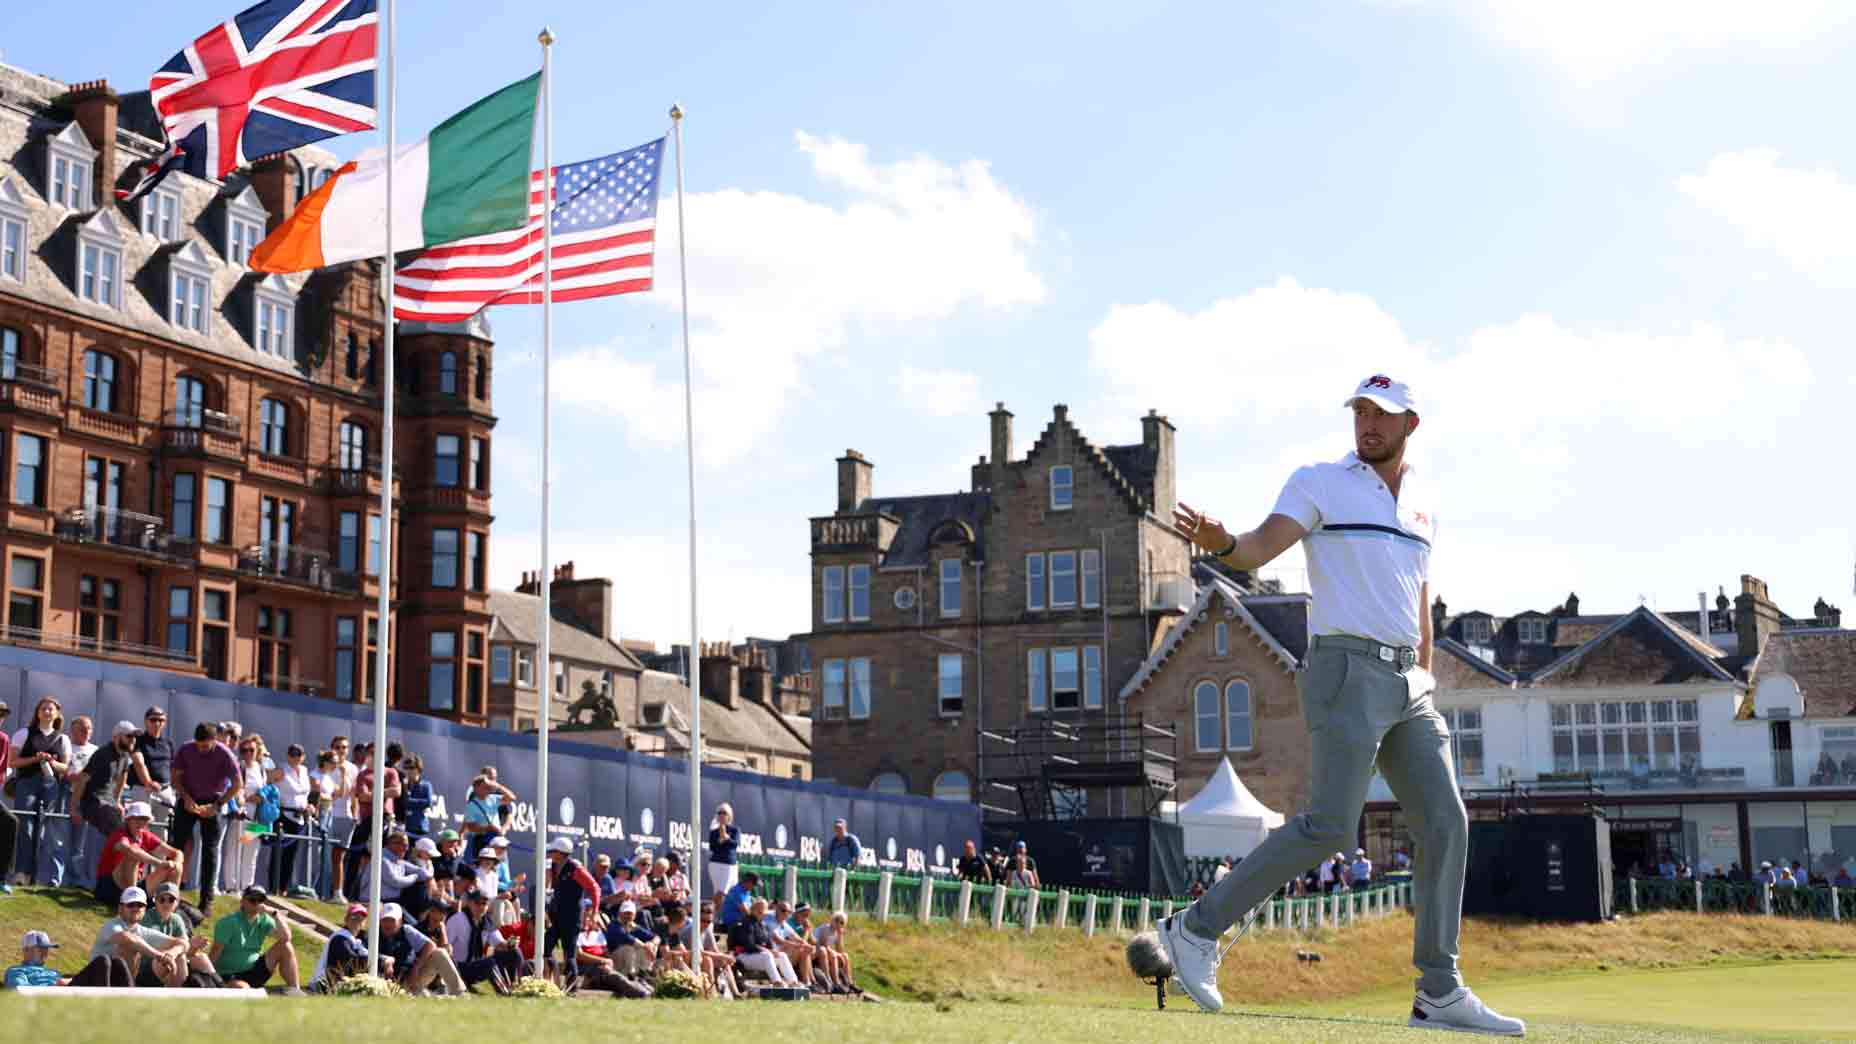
[[281, 74], [605, 233]]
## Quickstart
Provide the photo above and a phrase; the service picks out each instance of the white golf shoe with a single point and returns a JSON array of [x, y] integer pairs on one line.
[[1461, 1011], [1195, 962]]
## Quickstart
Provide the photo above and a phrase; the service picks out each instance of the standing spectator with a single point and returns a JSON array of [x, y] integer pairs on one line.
[[477, 947], [77, 835], [724, 839], [845, 850], [1327, 873], [206, 777], [154, 760], [1362, 869], [134, 855], [416, 796], [293, 789], [253, 778], [829, 936], [739, 901], [1020, 848], [567, 915], [996, 860], [1022, 874], [126, 937], [339, 785], [418, 962], [97, 795], [753, 945], [249, 946], [9, 823], [41, 754], [609, 898], [971, 867], [36, 948], [1843, 879], [485, 814], [365, 793], [345, 953], [231, 733]]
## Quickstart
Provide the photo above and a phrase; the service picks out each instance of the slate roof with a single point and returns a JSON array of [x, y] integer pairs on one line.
[[921, 516], [749, 724], [1822, 662], [515, 622], [1694, 659], [1460, 668], [1137, 464]]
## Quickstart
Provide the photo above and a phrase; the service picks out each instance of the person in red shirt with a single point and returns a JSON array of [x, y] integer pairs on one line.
[[364, 793], [133, 855]]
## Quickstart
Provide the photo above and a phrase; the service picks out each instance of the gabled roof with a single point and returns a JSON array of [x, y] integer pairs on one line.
[[1095, 455], [246, 200], [515, 621], [921, 517], [189, 254], [10, 195], [1821, 661], [748, 724], [1469, 661], [1698, 656], [104, 223], [72, 136], [1214, 590]]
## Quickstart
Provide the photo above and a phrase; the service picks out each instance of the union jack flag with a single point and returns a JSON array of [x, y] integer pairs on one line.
[[281, 74]]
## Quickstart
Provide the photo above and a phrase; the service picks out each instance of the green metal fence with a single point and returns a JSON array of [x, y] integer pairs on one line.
[[1645, 895]]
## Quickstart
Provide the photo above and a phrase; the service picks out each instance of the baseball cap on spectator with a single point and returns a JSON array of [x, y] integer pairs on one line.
[[803, 908], [427, 845], [123, 728], [448, 835], [1359, 851], [357, 909], [167, 888], [476, 895], [500, 842], [561, 845], [133, 896], [603, 859], [138, 810], [1020, 846], [391, 912], [254, 894], [1382, 391], [839, 822], [495, 855], [38, 940], [628, 907], [154, 712]]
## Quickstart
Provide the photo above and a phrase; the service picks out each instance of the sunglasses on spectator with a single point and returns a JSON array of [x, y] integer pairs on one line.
[[167, 899]]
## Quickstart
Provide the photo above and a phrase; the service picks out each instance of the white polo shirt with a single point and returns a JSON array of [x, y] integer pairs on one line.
[[1368, 555]]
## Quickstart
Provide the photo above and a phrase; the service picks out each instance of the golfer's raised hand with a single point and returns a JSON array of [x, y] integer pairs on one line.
[[1200, 528]]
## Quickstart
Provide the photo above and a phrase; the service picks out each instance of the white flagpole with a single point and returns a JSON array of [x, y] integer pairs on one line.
[[386, 571], [547, 575], [693, 663]]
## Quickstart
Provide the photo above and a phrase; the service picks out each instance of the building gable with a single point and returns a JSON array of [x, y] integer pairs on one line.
[[1216, 601], [1642, 648], [1084, 454]]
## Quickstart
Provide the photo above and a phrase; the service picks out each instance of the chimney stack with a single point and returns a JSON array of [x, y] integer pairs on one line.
[[1157, 439], [1438, 612], [1001, 444], [1755, 617], [720, 675], [273, 178], [854, 481], [94, 106]]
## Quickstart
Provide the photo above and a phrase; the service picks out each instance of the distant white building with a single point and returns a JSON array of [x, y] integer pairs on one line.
[[1711, 737]]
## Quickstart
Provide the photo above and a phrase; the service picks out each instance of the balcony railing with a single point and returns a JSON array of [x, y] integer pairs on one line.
[[128, 530], [197, 431], [1784, 769], [27, 373], [199, 418], [297, 565], [350, 474], [845, 531], [115, 649]]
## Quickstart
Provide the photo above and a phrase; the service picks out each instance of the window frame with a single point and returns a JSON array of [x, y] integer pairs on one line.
[[273, 318], [1074, 655], [1200, 716], [183, 524], [851, 588], [1221, 638], [1531, 630], [1089, 573], [1036, 595], [160, 218], [502, 664], [100, 381], [448, 663], [273, 427], [439, 457], [950, 607], [855, 687], [1037, 682], [1478, 630], [1231, 715], [941, 783], [39, 469], [245, 223], [70, 161], [832, 689], [958, 678], [1067, 486], [525, 667], [440, 555], [1074, 580], [1092, 677], [831, 594], [99, 267], [182, 620], [218, 517], [15, 225]]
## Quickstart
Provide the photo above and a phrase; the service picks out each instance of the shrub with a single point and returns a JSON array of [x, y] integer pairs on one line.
[[678, 983], [367, 986], [530, 986]]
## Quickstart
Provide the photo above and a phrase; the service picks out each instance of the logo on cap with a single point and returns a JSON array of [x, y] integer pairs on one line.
[[1378, 380]]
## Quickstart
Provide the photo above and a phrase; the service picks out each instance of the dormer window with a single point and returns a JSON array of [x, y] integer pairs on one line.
[[99, 259], [13, 214], [161, 215], [1476, 630], [190, 283], [273, 318], [1531, 630], [245, 222], [69, 161]]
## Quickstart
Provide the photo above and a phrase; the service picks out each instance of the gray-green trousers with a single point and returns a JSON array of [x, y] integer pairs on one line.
[[1360, 710]]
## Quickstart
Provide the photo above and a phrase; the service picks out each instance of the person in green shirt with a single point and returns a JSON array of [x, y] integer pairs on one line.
[[249, 946]]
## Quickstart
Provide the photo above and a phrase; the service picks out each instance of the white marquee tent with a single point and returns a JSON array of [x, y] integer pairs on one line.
[[1225, 818]]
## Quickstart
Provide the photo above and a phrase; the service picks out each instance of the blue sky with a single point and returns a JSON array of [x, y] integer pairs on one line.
[[1612, 244]]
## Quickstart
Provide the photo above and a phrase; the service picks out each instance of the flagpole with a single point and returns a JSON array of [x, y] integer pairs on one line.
[[544, 627], [384, 577], [693, 663]]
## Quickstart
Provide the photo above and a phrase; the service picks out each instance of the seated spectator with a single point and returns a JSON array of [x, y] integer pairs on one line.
[[678, 879], [1196, 891], [124, 936], [417, 961], [168, 919], [824, 976], [36, 948], [739, 901], [134, 855], [402, 880], [718, 965], [634, 948], [345, 954], [666, 888], [485, 877], [478, 948], [593, 963], [797, 948], [972, 867], [1223, 868], [831, 942], [679, 939], [455, 876], [753, 944], [249, 946]]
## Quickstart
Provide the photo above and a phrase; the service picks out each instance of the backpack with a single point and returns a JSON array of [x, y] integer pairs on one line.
[[270, 804]]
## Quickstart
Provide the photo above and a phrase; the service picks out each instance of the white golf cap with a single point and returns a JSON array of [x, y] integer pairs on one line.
[[561, 845], [491, 854], [123, 728], [628, 907], [426, 845], [1389, 395], [500, 842], [1359, 851], [391, 912], [138, 810], [132, 894]]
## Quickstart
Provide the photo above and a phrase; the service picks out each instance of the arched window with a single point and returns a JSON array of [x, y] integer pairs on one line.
[[1237, 732], [953, 785], [889, 783], [353, 451], [1207, 728], [273, 428], [189, 402], [99, 381], [351, 363], [448, 373]]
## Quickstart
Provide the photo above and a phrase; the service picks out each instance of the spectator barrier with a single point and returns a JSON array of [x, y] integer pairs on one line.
[[1648, 894]]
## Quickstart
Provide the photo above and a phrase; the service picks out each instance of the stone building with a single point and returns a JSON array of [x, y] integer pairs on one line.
[[581, 649], [192, 450], [1027, 600]]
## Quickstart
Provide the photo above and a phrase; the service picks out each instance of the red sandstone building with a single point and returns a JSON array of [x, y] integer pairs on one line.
[[191, 450]]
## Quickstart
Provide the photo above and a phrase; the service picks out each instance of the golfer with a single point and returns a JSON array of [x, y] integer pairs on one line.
[[1366, 523]]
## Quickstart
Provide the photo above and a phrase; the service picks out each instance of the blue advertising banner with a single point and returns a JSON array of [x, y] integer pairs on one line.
[[613, 801]]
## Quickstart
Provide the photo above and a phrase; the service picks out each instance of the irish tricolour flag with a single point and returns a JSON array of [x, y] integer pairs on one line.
[[471, 176]]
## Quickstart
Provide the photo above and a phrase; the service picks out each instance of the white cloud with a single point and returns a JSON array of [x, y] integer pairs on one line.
[[1807, 216], [938, 393], [777, 279]]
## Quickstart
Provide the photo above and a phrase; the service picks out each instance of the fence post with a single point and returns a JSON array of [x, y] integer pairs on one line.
[[1269, 914], [924, 904], [1089, 915], [1114, 915], [998, 907], [1633, 895], [1063, 909], [966, 902], [1765, 898], [1320, 901], [1697, 895], [839, 879], [1143, 919], [1031, 910], [883, 886], [791, 889], [1836, 911]]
